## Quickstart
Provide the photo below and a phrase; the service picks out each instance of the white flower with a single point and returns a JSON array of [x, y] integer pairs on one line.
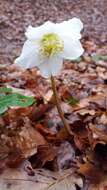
[[47, 45]]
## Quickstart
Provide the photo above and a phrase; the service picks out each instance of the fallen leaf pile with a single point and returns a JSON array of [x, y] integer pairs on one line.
[[35, 134]]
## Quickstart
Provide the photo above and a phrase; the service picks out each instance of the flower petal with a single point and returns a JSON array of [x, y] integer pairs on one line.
[[70, 28], [45, 69], [56, 64], [29, 56], [51, 66], [72, 49], [35, 33]]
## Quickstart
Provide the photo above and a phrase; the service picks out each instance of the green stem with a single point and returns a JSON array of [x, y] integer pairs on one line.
[[57, 102]]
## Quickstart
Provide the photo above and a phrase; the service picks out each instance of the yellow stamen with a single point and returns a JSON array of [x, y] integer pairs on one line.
[[51, 44]]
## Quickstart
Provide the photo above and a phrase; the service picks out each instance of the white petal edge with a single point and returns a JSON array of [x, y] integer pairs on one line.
[[70, 28], [29, 57], [35, 33], [72, 49]]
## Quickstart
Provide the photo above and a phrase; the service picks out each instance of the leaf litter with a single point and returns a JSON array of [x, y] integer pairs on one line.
[[35, 134]]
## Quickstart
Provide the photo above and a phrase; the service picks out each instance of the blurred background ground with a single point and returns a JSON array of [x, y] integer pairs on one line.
[[16, 15]]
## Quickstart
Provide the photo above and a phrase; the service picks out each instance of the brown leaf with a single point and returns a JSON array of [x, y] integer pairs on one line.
[[86, 111], [46, 132], [45, 153], [17, 179], [90, 172], [28, 140], [98, 134], [38, 112], [99, 100], [102, 185], [81, 143], [22, 145]]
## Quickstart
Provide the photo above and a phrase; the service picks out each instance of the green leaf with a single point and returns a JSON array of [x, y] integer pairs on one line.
[[5, 90], [97, 58], [21, 100], [14, 99], [3, 109], [73, 101]]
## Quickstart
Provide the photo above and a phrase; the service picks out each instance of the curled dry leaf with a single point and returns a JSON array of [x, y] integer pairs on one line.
[[45, 153], [48, 133]]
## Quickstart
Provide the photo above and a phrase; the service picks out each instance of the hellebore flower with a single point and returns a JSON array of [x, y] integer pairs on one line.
[[47, 45]]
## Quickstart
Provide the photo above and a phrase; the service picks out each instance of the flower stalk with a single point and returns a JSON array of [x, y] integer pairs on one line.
[[57, 103]]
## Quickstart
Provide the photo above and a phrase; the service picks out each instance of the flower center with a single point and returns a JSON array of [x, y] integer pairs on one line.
[[51, 44]]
